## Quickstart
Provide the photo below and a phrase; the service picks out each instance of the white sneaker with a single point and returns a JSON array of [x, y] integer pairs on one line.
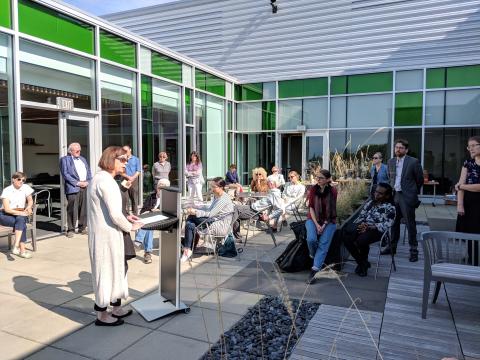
[[186, 256], [25, 255], [16, 251]]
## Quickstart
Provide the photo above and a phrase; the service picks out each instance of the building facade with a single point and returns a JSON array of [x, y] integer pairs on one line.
[[345, 76]]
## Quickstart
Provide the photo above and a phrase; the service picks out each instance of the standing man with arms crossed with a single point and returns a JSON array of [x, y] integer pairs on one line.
[[406, 178], [76, 176], [131, 174]]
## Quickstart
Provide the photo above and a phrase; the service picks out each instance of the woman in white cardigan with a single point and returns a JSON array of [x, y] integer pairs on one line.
[[105, 238]]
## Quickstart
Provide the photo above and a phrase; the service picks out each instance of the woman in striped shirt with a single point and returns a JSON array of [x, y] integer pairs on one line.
[[220, 211]]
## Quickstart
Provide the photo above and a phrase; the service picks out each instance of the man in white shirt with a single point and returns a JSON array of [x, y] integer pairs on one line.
[[76, 176]]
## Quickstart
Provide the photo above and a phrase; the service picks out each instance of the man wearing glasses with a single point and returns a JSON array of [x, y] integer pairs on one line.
[[406, 178], [76, 177]]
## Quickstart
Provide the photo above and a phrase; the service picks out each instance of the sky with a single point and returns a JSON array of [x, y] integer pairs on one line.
[[101, 7]]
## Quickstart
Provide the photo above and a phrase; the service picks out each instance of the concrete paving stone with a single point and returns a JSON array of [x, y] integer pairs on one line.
[[191, 293], [236, 302], [57, 294], [15, 347], [15, 308], [83, 303], [159, 345], [98, 342], [61, 322], [200, 324], [138, 320], [49, 353]]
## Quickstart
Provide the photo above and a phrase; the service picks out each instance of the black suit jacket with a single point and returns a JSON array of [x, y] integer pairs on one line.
[[412, 178]]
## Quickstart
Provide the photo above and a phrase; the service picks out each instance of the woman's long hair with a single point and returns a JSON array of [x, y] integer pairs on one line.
[[199, 161]]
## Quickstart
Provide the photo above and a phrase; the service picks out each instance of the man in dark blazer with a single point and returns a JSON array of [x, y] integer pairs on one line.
[[406, 178], [76, 176]]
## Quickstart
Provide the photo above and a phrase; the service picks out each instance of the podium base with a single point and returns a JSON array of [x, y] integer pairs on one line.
[[155, 306]]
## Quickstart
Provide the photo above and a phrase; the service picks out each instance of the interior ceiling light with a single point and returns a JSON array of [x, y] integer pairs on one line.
[[274, 6]]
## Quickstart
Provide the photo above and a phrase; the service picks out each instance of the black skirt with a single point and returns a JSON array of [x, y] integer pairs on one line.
[[470, 222]]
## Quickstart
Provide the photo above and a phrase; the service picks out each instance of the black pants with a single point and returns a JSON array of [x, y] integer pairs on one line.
[[190, 225], [359, 245], [407, 212], [132, 195], [81, 199]]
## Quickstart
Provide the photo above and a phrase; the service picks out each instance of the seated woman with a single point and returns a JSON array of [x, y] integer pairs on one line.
[[17, 204], [293, 191], [376, 217], [322, 219], [259, 182], [277, 177], [232, 179], [152, 203], [220, 211]]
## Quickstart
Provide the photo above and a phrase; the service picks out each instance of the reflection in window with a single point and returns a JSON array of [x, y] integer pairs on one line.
[[414, 138], [254, 150], [118, 107], [47, 73]]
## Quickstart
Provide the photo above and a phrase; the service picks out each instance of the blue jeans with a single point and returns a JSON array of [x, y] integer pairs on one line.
[[146, 238], [17, 222], [318, 244]]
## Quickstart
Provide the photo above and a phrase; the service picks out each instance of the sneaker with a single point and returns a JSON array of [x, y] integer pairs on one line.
[[311, 277], [413, 258], [147, 258], [137, 245], [187, 256], [69, 234], [25, 255], [84, 231], [16, 251]]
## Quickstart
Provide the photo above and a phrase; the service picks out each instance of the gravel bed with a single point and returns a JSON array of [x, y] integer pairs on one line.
[[263, 332]]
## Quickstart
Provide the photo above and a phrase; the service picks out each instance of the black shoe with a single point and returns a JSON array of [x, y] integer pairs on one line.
[[362, 272], [358, 269], [311, 277], [386, 251], [128, 313], [116, 323], [284, 223], [69, 234], [413, 258]]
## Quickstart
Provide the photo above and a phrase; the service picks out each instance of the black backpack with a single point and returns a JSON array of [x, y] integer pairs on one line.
[[228, 248], [296, 255]]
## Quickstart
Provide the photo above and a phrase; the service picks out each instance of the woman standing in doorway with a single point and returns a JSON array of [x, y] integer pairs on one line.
[[161, 169], [106, 224], [195, 181]]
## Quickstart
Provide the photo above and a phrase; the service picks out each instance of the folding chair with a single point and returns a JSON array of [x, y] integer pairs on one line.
[[203, 230], [387, 238], [255, 218]]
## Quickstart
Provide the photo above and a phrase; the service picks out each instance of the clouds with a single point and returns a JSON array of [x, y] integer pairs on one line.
[[103, 7]]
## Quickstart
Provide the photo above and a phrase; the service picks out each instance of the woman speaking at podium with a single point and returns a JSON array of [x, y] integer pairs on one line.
[[105, 238]]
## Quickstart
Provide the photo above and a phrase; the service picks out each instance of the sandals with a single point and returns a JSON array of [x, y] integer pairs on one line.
[[115, 323], [128, 313]]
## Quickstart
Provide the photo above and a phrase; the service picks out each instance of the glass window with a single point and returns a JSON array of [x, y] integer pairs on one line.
[[118, 107], [409, 80], [7, 127], [304, 87], [254, 150], [463, 76], [268, 115], [338, 112], [414, 138], [5, 14], [435, 108], [208, 82], [166, 67], [117, 49], [462, 107], [269, 90], [210, 122], [436, 78], [315, 113], [408, 109], [37, 20], [444, 155], [189, 106], [249, 116], [366, 83], [187, 75], [289, 114], [229, 116], [189, 137], [369, 110], [145, 60], [247, 92], [47, 73], [338, 85]]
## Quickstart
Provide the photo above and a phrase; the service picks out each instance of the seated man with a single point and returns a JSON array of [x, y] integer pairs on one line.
[[376, 217], [220, 211], [245, 212]]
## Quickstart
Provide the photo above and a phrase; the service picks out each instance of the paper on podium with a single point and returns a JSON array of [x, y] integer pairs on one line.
[[152, 219]]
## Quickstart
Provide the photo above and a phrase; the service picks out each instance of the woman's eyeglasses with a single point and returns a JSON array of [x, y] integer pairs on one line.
[[292, 176], [21, 180], [471, 147], [122, 159], [375, 158], [321, 178]]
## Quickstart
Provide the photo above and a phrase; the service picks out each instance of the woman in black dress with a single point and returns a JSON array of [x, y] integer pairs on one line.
[[468, 192]]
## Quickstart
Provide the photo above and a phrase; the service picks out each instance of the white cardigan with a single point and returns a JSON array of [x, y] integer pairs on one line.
[[105, 239]]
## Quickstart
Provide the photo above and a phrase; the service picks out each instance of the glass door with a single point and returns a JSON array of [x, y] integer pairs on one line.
[[76, 129], [291, 153], [315, 153]]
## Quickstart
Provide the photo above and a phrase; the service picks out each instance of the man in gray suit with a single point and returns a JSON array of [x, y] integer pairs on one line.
[[406, 178]]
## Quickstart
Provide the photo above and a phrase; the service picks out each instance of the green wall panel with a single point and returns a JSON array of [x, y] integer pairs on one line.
[[209, 82], [166, 67], [268, 115], [47, 24], [408, 109], [200, 79], [5, 14], [117, 49], [247, 92], [436, 78], [369, 83], [303, 87], [463, 76], [338, 85], [147, 120]]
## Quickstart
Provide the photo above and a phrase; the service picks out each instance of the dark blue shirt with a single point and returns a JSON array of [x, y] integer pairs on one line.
[[231, 177]]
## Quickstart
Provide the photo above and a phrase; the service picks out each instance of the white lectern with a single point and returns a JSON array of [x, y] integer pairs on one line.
[[166, 300]]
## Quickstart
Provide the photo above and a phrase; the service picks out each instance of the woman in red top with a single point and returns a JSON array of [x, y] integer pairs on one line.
[[322, 218]]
